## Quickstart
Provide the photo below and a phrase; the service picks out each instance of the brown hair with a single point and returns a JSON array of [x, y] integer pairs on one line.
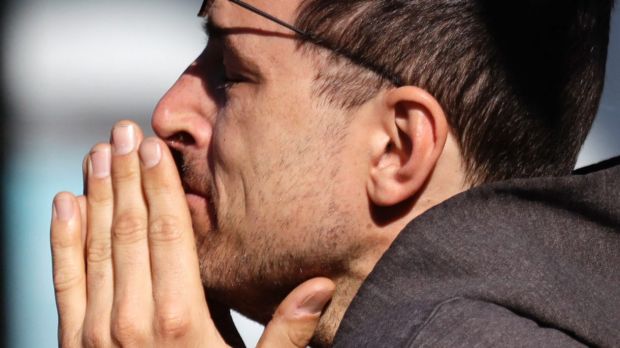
[[520, 81]]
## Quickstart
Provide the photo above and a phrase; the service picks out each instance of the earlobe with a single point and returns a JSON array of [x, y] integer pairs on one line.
[[416, 130]]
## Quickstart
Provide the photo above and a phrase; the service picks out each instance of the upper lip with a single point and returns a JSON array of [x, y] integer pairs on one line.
[[177, 155], [188, 181], [189, 190], [191, 187]]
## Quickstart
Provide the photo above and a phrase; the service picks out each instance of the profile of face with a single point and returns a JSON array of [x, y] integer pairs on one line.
[[273, 178]]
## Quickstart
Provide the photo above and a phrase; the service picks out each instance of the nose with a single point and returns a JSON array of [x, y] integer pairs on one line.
[[185, 115]]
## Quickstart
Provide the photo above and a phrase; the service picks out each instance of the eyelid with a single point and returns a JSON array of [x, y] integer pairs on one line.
[[232, 74], [237, 68]]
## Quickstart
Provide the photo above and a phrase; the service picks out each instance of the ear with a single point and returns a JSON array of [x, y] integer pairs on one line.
[[414, 130]]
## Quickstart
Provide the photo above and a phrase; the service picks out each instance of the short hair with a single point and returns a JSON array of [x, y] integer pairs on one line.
[[519, 80]]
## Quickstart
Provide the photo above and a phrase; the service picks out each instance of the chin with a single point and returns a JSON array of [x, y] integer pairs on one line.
[[243, 285], [256, 306]]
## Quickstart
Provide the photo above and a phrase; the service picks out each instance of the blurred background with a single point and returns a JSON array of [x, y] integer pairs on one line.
[[70, 69]]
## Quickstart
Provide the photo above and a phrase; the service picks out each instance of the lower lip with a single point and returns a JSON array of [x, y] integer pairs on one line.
[[195, 200], [198, 207]]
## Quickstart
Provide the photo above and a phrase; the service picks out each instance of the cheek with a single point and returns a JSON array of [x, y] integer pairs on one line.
[[242, 154], [252, 131], [229, 136], [291, 181], [272, 156]]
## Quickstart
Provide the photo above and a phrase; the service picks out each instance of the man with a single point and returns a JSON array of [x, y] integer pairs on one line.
[[318, 140]]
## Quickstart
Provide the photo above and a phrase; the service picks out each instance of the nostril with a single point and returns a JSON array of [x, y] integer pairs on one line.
[[179, 161], [182, 138], [177, 143]]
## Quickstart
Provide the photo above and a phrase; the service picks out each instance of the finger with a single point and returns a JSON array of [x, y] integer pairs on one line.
[[82, 201], [173, 253], [68, 266], [83, 218], [297, 317], [130, 254], [99, 271], [177, 287]]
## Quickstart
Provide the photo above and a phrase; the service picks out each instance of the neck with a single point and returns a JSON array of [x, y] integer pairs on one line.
[[346, 288], [447, 181]]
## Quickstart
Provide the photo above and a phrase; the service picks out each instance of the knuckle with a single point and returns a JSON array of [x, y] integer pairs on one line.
[[300, 337], [129, 228], [67, 278], [172, 321], [156, 186], [99, 196], [297, 331], [98, 252], [69, 339], [165, 228], [126, 330], [162, 189], [95, 336], [126, 174], [62, 239]]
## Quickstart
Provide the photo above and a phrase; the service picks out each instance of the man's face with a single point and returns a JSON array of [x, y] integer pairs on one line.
[[270, 170]]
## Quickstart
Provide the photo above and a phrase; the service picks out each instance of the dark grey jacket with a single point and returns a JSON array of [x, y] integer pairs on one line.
[[525, 263]]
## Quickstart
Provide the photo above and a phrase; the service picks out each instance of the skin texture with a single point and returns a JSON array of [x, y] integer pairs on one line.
[[125, 265], [274, 167], [280, 187]]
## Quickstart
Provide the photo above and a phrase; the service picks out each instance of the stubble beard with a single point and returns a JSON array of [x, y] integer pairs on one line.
[[253, 271]]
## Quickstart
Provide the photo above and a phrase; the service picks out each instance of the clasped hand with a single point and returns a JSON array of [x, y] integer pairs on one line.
[[126, 270]]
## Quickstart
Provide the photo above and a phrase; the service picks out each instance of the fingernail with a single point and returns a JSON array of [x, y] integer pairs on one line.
[[124, 139], [100, 161], [150, 153], [315, 303], [63, 208]]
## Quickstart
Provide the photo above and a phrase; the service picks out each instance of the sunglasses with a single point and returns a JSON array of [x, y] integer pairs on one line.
[[309, 37]]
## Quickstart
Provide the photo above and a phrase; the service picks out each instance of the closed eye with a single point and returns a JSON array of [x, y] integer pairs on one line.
[[228, 83]]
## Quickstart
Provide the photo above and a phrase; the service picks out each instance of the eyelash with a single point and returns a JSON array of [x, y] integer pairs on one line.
[[227, 85], [229, 82]]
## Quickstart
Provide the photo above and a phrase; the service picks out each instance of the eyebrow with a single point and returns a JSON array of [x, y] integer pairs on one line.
[[212, 30], [222, 35], [215, 32]]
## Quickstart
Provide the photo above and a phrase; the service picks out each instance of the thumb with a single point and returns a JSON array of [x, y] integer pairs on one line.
[[295, 320]]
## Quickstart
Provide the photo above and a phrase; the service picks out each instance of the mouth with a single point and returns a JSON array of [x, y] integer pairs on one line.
[[201, 207], [202, 212], [197, 193], [192, 191], [188, 186], [196, 204]]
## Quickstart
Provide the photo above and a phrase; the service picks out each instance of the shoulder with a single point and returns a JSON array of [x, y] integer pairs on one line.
[[461, 322]]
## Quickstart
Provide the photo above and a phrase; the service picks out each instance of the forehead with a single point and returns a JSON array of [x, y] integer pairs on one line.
[[228, 15], [268, 47]]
